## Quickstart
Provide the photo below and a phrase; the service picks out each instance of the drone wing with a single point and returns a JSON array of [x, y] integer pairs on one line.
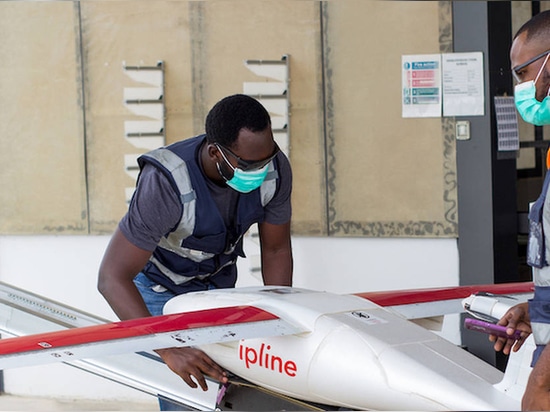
[[175, 330], [425, 303]]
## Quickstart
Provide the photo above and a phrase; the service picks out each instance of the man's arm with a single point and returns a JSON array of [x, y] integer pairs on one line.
[[276, 250], [537, 392], [121, 263]]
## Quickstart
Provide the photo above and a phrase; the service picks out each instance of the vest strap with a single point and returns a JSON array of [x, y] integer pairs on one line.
[[541, 277], [177, 167], [269, 185], [179, 162], [539, 314], [536, 244], [181, 279]]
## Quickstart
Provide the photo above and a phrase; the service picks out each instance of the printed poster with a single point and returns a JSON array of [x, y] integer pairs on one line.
[[463, 88], [421, 85]]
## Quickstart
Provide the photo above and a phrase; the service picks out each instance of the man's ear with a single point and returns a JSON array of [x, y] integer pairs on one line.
[[212, 151]]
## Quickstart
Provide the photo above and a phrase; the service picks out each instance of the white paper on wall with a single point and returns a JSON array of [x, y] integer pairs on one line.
[[463, 85]]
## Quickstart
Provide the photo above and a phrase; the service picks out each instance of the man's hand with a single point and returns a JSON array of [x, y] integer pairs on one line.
[[516, 318], [190, 362]]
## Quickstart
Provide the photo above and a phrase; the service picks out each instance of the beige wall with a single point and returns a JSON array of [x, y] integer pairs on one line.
[[41, 132], [231, 32], [389, 175], [137, 34], [63, 167]]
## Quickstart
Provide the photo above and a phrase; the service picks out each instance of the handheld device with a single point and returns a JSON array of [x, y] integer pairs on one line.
[[490, 328]]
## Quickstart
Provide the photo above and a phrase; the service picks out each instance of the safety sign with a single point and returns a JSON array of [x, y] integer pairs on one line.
[[421, 85], [448, 84]]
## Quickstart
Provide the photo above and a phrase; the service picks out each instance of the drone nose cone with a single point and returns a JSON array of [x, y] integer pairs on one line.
[[347, 371], [390, 363]]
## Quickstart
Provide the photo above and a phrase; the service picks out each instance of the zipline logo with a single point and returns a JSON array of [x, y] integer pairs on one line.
[[263, 358]]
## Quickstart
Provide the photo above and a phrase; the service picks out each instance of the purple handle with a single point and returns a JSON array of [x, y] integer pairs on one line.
[[490, 328]]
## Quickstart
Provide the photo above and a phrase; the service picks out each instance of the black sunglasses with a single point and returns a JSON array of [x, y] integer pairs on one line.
[[519, 67], [246, 165]]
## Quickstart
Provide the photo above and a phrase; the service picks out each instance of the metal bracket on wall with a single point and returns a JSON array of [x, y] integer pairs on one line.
[[273, 93], [144, 101]]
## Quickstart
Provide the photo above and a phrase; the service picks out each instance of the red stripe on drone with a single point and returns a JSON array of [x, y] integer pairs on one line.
[[406, 297], [136, 327]]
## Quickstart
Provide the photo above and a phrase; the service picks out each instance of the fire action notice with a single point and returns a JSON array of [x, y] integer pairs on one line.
[[421, 85]]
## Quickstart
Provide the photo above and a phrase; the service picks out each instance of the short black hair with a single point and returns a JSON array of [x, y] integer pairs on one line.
[[233, 113], [537, 28]]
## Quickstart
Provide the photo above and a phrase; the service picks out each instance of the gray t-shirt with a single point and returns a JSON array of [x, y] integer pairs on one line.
[[155, 208]]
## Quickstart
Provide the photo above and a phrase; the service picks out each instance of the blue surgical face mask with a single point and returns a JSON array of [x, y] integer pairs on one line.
[[530, 109], [244, 181]]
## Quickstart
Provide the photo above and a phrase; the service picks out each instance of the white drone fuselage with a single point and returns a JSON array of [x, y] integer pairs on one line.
[[351, 353]]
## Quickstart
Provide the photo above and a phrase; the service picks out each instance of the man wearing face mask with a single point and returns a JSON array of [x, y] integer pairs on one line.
[[183, 231], [529, 56]]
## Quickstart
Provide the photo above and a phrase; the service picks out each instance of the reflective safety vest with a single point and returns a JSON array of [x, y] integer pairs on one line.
[[537, 256], [201, 251]]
